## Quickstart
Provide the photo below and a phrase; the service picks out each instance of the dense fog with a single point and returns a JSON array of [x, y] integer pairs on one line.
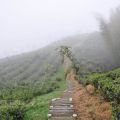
[[28, 25]]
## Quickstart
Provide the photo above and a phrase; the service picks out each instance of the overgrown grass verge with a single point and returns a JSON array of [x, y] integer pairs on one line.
[[38, 108], [36, 100], [108, 85]]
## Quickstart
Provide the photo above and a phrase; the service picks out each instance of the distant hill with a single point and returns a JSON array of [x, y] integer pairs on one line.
[[28, 67], [89, 49]]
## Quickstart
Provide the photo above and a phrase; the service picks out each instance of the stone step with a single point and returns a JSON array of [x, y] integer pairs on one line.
[[62, 101], [61, 118], [62, 108], [61, 104], [61, 111], [61, 114]]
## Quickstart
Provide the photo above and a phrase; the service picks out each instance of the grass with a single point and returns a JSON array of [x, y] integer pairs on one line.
[[108, 85], [38, 108]]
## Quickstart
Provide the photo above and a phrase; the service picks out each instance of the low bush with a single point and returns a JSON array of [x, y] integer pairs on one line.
[[109, 86], [14, 100], [12, 112]]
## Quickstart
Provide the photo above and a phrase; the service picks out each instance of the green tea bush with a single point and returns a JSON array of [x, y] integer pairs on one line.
[[58, 79], [109, 86], [14, 101], [12, 112]]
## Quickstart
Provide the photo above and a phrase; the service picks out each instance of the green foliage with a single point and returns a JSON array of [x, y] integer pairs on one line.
[[109, 86], [38, 108], [58, 79], [65, 50], [13, 111], [15, 101]]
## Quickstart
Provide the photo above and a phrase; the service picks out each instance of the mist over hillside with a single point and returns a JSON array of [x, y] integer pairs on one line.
[[93, 51], [28, 67], [89, 49], [38, 73], [59, 52]]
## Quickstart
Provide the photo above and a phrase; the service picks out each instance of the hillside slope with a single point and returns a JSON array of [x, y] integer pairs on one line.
[[87, 48], [108, 85], [28, 67], [30, 75]]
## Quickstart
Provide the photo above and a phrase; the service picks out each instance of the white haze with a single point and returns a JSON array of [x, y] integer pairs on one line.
[[27, 25]]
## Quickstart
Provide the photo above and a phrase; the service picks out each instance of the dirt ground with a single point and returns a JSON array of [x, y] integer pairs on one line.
[[87, 105]]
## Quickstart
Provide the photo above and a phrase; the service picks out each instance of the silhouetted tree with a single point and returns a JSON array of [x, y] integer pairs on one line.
[[111, 32]]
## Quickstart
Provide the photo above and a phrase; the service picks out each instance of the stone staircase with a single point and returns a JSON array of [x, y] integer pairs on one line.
[[62, 108]]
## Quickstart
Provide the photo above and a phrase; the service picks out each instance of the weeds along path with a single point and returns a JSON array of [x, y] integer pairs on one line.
[[79, 102], [88, 105]]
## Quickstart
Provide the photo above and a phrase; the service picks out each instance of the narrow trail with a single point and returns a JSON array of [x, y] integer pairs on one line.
[[89, 106], [62, 108], [79, 99]]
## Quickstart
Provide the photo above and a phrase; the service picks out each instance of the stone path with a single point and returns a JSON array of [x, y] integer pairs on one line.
[[62, 108]]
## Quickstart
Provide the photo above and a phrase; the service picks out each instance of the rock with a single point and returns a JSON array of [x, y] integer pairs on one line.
[[70, 99], [90, 89], [51, 106], [71, 106], [49, 115], [74, 115]]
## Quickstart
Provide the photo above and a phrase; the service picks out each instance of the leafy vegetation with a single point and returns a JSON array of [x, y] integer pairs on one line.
[[18, 102], [22, 70], [109, 86], [38, 108], [28, 81]]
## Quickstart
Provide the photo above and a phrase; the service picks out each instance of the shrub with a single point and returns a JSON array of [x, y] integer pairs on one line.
[[109, 86], [12, 112], [58, 79]]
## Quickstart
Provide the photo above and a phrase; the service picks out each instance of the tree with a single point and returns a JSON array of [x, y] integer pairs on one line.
[[65, 51], [111, 32]]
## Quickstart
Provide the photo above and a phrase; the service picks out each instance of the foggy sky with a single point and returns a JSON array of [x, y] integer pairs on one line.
[[27, 25]]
